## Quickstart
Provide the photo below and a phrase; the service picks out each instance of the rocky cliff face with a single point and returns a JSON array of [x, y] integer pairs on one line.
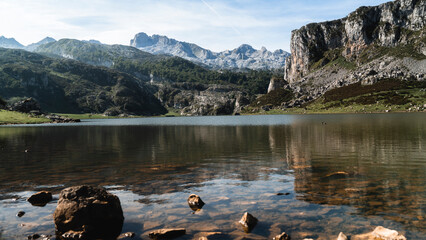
[[192, 99], [242, 57], [390, 24]]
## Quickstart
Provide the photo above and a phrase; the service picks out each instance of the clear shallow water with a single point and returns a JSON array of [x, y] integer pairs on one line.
[[235, 164]]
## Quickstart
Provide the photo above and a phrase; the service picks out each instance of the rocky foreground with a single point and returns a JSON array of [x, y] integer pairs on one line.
[[86, 212]]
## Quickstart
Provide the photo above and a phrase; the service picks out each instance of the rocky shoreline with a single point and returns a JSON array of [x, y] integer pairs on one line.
[[86, 212]]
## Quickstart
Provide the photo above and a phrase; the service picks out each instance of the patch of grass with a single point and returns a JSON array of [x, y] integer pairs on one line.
[[274, 98], [357, 89], [10, 117]]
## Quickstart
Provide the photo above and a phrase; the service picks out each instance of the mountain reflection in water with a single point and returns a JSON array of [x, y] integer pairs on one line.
[[343, 172]]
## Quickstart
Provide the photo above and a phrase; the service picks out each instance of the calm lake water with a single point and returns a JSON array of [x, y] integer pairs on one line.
[[236, 164]]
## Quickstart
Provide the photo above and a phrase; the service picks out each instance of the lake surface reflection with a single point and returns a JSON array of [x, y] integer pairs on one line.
[[346, 173]]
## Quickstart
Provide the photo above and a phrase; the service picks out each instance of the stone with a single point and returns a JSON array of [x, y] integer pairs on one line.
[[167, 233], [40, 199], [127, 235], [281, 194], [379, 233], [88, 212], [248, 222], [342, 236], [195, 202], [211, 236], [20, 214], [282, 236]]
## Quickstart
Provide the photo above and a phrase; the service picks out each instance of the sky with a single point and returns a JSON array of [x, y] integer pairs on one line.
[[213, 24]]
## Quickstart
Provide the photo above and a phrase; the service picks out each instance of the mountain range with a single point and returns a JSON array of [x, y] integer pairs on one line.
[[12, 43], [243, 57]]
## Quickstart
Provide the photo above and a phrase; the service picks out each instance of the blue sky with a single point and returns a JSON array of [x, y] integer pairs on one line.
[[214, 24]]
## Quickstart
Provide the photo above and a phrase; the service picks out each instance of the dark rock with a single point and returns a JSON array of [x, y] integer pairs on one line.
[[26, 106], [167, 233], [248, 222], [40, 199], [88, 212], [282, 236], [195, 202], [281, 194], [34, 236], [20, 214]]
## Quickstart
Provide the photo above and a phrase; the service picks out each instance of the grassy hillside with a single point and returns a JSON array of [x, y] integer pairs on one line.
[[8, 117], [143, 65], [61, 85]]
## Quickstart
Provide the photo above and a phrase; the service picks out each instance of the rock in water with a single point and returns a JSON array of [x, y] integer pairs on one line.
[[379, 233], [167, 233], [342, 236], [248, 222], [40, 199], [89, 213], [20, 214], [195, 202], [282, 236]]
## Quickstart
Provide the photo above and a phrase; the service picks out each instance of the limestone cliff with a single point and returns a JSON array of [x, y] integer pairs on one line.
[[397, 23]]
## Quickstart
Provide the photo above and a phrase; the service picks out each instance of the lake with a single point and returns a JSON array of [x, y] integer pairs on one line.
[[338, 173]]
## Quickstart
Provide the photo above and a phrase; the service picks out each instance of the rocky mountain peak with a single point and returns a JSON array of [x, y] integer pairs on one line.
[[33, 46], [245, 56], [9, 43], [387, 25]]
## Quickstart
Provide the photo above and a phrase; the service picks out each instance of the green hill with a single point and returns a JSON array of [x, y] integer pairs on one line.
[[62, 85]]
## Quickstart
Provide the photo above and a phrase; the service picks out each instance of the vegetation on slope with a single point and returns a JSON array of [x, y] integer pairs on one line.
[[9, 117], [70, 86], [142, 65]]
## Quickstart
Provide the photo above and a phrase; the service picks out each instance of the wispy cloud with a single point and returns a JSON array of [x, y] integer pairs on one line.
[[213, 24]]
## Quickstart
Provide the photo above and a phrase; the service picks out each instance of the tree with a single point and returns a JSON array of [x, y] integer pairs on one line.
[[2, 103]]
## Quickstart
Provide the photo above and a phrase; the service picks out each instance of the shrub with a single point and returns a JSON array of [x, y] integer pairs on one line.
[[2, 103]]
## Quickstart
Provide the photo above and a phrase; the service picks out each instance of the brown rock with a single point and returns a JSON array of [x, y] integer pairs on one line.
[[380, 233], [86, 212], [248, 222], [167, 233], [342, 236], [282, 236], [195, 202], [40, 199]]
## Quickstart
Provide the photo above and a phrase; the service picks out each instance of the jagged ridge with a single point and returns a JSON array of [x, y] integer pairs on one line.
[[242, 57]]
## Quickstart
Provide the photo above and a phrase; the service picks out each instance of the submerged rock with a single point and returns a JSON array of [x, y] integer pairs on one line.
[[195, 202], [20, 214], [282, 236], [167, 233], [380, 233], [86, 212], [248, 222], [40, 199]]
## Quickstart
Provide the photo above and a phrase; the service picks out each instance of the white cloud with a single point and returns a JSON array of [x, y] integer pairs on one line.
[[213, 24]]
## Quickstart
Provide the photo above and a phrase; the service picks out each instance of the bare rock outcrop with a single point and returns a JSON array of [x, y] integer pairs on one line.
[[388, 24]]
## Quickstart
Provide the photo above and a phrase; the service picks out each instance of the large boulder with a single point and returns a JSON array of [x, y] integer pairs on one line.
[[89, 213], [26, 106]]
